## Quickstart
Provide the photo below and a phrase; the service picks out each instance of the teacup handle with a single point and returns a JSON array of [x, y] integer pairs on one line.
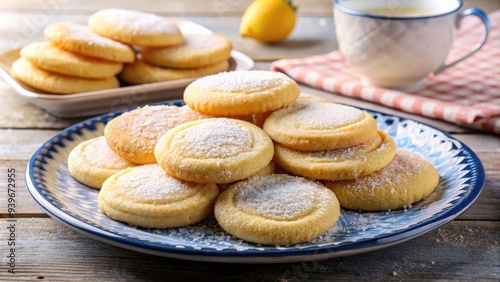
[[482, 16]]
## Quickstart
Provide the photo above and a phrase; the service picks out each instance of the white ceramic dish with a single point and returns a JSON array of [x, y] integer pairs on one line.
[[75, 205], [98, 102]]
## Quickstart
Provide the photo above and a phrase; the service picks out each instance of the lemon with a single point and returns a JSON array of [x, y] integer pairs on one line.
[[268, 20]]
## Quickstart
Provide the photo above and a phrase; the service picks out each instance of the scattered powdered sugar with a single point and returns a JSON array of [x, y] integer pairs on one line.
[[83, 33], [326, 115], [242, 82], [404, 165], [281, 197], [138, 22], [150, 182], [216, 138], [151, 122], [99, 153]]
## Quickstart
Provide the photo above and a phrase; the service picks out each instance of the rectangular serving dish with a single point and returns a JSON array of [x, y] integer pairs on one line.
[[103, 101]]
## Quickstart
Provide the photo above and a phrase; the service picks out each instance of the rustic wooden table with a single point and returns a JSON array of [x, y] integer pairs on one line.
[[468, 248]]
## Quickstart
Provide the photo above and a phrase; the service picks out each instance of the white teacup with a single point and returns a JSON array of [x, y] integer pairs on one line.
[[397, 43]]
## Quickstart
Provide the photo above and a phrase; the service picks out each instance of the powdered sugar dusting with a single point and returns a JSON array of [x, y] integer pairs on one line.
[[404, 165], [239, 82], [280, 197], [151, 183], [138, 22], [151, 122], [312, 115], [83, 33], [216, 138], [99, 154]]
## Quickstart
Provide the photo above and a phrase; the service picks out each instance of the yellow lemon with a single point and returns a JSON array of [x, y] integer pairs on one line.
[[268, 20]]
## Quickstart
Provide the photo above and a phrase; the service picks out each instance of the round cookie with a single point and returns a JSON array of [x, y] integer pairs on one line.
[[406, 180], [135, 28], [241, 92], [49, 57], [92, 162], [219, 150], [198, 50], [141, 72], [348, 163], [311, 126], [146, 196], [277, 209], [33, 76], [133, 135], [81, 40]]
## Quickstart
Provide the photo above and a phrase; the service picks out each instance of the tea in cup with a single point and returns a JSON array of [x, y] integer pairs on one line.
[[397, 43]]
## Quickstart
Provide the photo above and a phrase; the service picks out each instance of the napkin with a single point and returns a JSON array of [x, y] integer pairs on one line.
[[467, 94]]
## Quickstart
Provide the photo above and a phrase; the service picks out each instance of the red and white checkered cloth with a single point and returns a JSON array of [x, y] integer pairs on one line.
[[467, 94]]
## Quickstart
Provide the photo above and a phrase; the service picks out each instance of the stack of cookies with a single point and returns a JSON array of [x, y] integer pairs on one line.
[[165, 53], [73, 60], [342, 146], [327, 141], [80, 58], [164, 166]]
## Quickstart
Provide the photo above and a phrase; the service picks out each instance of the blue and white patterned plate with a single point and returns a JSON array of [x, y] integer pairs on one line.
[[74, 204]]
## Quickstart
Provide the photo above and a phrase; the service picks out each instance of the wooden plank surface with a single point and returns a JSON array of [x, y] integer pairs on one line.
[[20, 144], [454, 251], [17, 112]]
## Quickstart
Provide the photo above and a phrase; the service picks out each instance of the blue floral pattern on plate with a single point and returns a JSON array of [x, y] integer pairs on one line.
[[74, 204]]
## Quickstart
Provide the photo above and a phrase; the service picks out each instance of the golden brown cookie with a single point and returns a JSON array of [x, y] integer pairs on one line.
[[80, 39], [135, 28], [33, 76], [49, 57], [146, 196], [241, 93], [348, 163], [92, 162], [198, 50], [277, 209], [133, 135], [406, 180], [141, 72], [311, 126], [219, 150]]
